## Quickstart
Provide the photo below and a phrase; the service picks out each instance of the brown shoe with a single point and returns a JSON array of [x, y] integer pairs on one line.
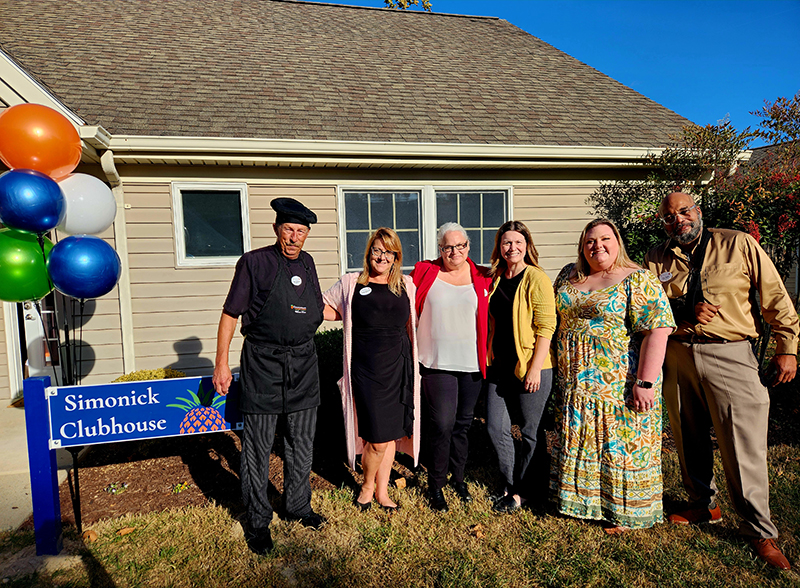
[[693, 516], [769, 552]]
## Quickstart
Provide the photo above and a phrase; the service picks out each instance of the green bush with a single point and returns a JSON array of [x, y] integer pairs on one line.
[[157, 374]]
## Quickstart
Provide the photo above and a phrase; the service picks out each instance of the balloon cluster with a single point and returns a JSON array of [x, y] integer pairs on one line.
[[41, 148]]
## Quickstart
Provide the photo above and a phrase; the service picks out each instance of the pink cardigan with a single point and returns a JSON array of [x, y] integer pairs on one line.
[[340, 297]]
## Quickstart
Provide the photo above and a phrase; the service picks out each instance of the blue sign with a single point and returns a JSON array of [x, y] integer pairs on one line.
[[126, 411]]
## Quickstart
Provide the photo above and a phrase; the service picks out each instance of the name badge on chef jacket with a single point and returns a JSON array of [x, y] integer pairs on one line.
[[366, 291], [296, 280]]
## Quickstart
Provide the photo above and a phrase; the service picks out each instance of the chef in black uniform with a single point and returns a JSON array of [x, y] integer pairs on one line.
[[276, 292]]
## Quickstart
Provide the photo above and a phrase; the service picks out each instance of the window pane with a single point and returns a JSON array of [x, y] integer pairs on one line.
[[446, 208], [470, 210], [494, 209], [212, 223], [381, 208], [407, 210], [356, 244], [410, 243], [355, 209], [488, 246], [480, 213], [396, 210]]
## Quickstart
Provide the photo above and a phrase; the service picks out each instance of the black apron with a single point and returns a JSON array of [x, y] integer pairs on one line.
[[279, 371]]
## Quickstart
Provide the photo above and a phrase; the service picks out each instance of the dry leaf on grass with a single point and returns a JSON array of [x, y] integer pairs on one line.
[[89, 536], [125, 531], [477, 531]]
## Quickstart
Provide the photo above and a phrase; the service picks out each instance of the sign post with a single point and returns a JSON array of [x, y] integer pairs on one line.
[[43, 469]]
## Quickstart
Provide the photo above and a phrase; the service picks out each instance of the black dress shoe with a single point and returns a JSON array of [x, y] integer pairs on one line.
[[460, 488], [312, 520], [438, 503], [259, 541], [506, 504], [363, 507]]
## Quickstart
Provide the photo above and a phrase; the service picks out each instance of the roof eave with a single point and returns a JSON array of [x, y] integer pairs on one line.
[[326, 153]]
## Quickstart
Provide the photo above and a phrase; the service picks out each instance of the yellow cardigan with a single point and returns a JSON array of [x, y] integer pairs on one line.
[[533, 315]]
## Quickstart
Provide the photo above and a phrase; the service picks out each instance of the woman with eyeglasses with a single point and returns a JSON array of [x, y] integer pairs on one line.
[[380, 385], [452, 304], [522, 320]]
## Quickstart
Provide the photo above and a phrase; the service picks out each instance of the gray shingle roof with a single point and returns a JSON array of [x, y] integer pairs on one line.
[[295, 70]]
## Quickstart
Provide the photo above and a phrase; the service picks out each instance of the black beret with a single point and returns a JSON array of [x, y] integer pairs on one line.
[[290, 210]]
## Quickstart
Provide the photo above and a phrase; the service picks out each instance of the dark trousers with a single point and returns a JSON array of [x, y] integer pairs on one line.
[[449, 402], [507, 403], [259, 433]]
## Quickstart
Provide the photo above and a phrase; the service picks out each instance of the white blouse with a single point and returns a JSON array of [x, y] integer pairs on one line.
[[447, 333]]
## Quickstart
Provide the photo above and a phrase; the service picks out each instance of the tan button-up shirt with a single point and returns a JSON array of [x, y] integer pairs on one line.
[[735, 266]]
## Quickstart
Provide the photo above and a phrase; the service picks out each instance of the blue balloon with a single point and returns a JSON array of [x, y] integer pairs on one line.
[[30, 201], [82, 266]]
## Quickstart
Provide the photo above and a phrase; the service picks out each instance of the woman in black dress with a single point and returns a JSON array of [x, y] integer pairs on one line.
[[379, 386]]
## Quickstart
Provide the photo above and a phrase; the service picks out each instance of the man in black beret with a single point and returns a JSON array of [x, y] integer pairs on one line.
[[276, 292]]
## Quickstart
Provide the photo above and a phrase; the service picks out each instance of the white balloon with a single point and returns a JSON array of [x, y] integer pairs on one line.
[[90, 205]]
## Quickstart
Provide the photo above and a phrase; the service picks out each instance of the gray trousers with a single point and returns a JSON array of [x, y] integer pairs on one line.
[[259, 434], [718, 384], [507, 403]]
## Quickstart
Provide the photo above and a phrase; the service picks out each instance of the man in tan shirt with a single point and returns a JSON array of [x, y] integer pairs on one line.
[[710, 373]]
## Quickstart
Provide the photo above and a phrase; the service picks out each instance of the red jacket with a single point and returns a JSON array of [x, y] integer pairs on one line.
[[424, 275]]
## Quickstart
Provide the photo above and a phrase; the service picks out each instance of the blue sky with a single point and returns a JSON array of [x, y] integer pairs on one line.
[[703, 59]]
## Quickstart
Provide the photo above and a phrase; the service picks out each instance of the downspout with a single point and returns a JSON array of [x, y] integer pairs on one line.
[[121, 245]]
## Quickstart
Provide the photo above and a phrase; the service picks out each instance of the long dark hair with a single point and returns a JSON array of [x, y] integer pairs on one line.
[[531, 255]]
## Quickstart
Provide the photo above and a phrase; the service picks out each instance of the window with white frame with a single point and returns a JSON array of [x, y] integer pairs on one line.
[[480, 212], [211, 223], [415, 213], [367, 210]]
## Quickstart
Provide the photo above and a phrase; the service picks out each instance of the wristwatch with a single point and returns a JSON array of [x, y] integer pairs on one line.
[[644, 384]]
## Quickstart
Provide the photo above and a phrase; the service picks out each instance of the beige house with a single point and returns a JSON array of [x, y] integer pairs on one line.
[[198, 113]]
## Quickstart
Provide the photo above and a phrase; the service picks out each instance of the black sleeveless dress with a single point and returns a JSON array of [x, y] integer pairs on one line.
[[382, 368]]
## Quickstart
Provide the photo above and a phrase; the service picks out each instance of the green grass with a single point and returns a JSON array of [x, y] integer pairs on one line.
[[466, 547], [200, 547]]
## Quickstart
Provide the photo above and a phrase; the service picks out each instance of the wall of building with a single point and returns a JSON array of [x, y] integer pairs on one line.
[[176, 310], [5, 384]]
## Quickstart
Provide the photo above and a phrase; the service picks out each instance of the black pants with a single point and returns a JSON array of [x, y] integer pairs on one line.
[[449, 402], [259, 433]]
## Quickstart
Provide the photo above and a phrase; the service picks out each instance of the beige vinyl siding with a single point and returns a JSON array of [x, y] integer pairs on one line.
[[100, 333], [555, 215], [176, 310], [5, 384]]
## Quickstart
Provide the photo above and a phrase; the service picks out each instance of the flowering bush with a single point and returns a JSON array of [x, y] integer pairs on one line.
[[761, 198]]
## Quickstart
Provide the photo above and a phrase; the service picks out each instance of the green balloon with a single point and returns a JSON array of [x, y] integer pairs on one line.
[[23, 274]]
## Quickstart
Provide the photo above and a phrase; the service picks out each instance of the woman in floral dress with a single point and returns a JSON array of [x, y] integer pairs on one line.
[[614, 323]]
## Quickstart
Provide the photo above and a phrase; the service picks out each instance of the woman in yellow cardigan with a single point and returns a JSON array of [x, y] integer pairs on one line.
[[522, 320]]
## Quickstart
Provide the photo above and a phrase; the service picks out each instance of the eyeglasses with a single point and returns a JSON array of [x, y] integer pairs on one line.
[[448, 249], [378, 253], [668, 219]]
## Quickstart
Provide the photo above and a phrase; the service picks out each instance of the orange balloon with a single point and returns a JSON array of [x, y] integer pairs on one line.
[[36, 137]]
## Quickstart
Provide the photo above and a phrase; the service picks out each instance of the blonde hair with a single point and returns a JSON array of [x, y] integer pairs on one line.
[[582, 269], [531, 255], [392, 243]]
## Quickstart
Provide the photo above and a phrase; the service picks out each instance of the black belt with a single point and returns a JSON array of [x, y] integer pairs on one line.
[[701, 340]]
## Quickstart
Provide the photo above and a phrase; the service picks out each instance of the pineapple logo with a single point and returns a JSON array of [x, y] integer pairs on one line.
[[202, 415]]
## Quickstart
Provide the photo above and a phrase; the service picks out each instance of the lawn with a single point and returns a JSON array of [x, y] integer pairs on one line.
[[469, 546]]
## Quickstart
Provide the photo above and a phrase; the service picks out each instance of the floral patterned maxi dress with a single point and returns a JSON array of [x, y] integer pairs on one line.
[[607, 458]]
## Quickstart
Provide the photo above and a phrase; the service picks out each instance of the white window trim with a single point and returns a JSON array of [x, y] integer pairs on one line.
[[177, 223], [427, 220]]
